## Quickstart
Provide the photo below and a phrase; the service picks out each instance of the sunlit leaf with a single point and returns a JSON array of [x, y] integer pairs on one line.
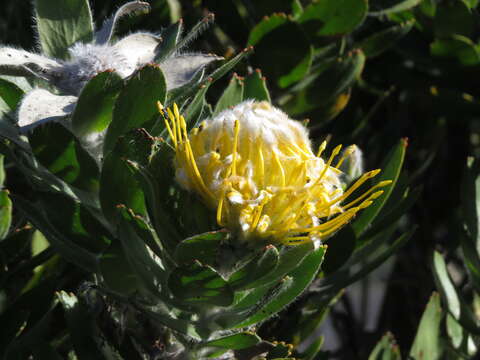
[[63, 25], [277, 37], [427, 343]]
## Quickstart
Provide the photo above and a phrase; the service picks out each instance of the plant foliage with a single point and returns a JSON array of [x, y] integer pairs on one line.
[[105, 256]]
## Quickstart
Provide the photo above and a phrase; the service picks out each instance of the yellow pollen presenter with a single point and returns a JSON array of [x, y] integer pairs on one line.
[[256, 168]]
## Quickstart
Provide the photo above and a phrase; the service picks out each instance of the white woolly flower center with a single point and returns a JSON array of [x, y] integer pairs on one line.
[[257, 168]]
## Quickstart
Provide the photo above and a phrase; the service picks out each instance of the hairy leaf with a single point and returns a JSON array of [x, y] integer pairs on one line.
[[62, 25]]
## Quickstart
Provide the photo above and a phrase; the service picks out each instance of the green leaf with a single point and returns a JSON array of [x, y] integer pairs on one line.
[[10, 93], [93, 112], [472, 4], [400, 6], [297, 9], [457, 47], [250, 275], [62, 24], [290, 257], [250, 301], [136, 105], [312, 351], [19, 316], [66, 248], [2, 171], [12, 323], [193, 112], [116, 270], [5, 112], [137, 147], [280, 351], [41, 252], [20, 81], [263, 8], [156, 183], [235, 342], [199, 284], [276, 37], [471, 258], [427, 343], [64, 157], [454, 18], [119, 185], [427, 8], [390, 171], [10, 132], [81, 327], [174, 8], [328, 85], [33, 337], [12, 249], [364, 260], [333, 17], [301, 276], [445, 285], [456, 306], [251, 304], [217, 74], [181, 326], [5, 214], [145, 233], [470, 196], [203, 247], [179, 92], [460, 339], [149, 271], [75, 221], [339, 249], [381, 41], [230, 64], [232, 95], [104, 35], [37, 173], [386, 349], [194, 32], [400, 206], [256, 87], [170, 36]]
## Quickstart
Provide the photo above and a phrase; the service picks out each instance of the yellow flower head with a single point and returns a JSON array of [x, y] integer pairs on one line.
[[256, 167]]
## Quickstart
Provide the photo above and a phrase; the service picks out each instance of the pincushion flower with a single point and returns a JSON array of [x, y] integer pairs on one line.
[[256, 167]]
